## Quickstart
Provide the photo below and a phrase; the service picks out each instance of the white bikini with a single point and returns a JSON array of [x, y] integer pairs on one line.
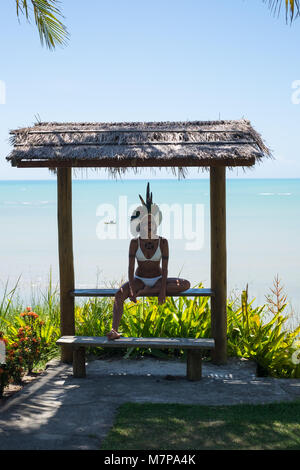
[[148, 281]]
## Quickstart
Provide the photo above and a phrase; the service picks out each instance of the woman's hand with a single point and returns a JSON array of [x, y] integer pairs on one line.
[[162, 297]]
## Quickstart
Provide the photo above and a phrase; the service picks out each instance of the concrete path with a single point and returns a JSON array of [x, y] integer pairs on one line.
[[59, 412]]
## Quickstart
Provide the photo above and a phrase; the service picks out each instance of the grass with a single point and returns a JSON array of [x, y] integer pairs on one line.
[[195, 427]]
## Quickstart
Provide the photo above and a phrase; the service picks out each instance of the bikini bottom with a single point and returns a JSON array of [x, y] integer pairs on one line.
[[148, 281]]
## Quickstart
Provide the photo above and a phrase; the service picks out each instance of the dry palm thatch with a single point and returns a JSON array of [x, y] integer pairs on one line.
[[119, 147]]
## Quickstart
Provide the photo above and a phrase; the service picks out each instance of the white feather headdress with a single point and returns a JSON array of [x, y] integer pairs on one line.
[[143, 210]]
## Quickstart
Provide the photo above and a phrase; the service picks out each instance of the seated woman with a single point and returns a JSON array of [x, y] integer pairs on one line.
[[149, 278]]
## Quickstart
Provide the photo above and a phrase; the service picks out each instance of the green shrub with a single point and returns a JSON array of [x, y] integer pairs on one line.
[[268, 343], [257, 333]]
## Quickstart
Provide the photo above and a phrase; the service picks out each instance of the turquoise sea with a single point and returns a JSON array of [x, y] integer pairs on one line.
[[263, 226]]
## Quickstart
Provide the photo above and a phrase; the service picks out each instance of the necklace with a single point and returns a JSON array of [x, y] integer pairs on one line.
[[149, 245]]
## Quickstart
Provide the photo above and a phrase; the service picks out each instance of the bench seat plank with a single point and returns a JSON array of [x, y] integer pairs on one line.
[[123, 342], [112, 292]]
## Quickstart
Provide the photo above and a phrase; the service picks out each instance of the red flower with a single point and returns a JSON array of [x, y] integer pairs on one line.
[[29, 313]]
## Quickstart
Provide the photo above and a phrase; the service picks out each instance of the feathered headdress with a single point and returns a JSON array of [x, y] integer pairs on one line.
[[146, 208]]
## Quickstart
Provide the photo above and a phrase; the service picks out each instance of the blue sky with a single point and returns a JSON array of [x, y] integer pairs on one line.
[[153, 61]]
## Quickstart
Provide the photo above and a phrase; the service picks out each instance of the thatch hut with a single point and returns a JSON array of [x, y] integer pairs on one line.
[[119, 147]]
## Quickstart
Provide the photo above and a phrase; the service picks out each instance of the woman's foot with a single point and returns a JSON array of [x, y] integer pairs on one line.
[[113, 334]]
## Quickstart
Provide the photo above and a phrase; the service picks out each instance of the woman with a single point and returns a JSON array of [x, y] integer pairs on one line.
[[150, 251]]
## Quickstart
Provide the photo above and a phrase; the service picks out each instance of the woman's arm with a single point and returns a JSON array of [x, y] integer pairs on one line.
[[164, 269], [131, 263]]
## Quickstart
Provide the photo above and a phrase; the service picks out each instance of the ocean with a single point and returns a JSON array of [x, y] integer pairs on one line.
[[263, 226]]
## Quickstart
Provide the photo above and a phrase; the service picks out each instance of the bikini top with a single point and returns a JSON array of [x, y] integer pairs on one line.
[[141, 257]]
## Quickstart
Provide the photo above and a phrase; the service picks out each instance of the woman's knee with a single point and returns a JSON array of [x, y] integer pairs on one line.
[[182, 284], [120, 295], [185, 284]]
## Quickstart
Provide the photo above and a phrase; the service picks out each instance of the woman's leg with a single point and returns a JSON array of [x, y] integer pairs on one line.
[[174, 286], [121, 295]]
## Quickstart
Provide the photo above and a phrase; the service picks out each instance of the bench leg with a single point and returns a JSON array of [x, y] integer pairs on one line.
[[194, 365], [79, 363]]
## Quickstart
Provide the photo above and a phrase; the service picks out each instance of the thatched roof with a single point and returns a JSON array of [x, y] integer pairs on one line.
[[120, 146]]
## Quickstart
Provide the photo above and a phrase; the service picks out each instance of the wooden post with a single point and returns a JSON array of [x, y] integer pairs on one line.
[[79, 363], [218, 262], [65, 250], [194, 364]]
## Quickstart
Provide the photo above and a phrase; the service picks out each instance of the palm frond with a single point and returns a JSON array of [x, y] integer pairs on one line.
[[292, 8], [46, 15]]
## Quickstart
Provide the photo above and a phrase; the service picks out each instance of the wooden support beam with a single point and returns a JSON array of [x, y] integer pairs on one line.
[[134, 162], [218, 263], [65, 250]]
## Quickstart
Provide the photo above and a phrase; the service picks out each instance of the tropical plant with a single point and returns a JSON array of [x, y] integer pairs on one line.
[[4, 375], [259, 334], [15, 363], [46, 16], [6, 303], [292, 8]]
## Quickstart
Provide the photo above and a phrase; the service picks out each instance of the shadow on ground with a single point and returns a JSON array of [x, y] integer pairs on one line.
[[58, 411]]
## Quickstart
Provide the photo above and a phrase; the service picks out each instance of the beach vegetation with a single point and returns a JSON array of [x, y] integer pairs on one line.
[[258, 333]]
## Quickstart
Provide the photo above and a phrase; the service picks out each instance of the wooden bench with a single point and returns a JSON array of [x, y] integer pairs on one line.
[[112, 292], [193, 346]]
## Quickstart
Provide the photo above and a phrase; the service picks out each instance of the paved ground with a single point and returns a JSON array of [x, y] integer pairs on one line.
[[59, 412]]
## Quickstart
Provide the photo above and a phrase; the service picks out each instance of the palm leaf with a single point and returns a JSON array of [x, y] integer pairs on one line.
[[292, 7], [46, 15]]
